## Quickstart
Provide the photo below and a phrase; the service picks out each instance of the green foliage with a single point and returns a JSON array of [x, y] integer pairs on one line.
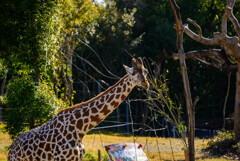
[[28, 105], [110, 36], [29, 29], [92, 157], [3, 69], [32, 32], [154, 19], [89, 156], [221, 137], [163, 105], [36, 36], [224, 144]]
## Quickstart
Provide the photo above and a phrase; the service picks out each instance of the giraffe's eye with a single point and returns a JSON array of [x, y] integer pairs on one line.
[[145, 71]]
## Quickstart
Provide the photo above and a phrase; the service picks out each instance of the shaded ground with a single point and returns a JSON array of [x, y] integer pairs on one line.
[[228, 148]]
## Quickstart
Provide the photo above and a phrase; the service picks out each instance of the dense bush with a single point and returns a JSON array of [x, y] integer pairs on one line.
[[224, 145], [28, 105]]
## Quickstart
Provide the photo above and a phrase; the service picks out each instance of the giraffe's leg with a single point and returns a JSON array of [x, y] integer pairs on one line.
[[82, 152]]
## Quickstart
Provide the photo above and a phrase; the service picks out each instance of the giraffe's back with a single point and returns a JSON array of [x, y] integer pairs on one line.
[[46, 143]]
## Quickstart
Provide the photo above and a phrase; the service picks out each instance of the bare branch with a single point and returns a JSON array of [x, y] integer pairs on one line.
[[217, 63], [199, 38], [224, 21], [195, 103], [197, 26], [228, 14], [176, 12], [230, 3], [198, 53], [235, 23], [212, 57]]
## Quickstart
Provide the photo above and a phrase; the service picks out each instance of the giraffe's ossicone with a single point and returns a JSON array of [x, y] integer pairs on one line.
[[60, 139]]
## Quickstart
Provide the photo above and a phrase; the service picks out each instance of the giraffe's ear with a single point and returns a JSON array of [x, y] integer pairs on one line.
[[134, 63], [128, 70], [140, 60]]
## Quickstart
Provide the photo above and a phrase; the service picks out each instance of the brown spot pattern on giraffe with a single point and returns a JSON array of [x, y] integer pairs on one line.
[[123, 97], [64, 126], [91, 126], [94, 110], [86, 112], [102, 99], [110, 98], [117, 96], [114, 104], [112, 90], [80, 124], [120, 82], [105, 110], [124, 87]]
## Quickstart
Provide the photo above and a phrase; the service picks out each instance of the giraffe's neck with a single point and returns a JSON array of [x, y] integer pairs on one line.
[[88, 114], [101, 107]]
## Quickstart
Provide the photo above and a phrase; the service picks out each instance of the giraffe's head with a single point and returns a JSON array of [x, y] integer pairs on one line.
[[138, 73]]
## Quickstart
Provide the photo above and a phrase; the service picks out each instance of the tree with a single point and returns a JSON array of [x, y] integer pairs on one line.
[[32, 33], [38, 38], [229, 55], [187, 91], [110, 38], [78, 18], [29, 31], [29, 105]]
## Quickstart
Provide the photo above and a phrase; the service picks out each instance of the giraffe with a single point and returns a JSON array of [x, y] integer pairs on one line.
[[60, 139]]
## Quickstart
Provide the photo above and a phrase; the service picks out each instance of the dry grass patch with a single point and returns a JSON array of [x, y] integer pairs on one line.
[[94, 142], [5, 142]]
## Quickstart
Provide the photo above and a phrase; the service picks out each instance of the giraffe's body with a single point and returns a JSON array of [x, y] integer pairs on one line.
[[61, 138]]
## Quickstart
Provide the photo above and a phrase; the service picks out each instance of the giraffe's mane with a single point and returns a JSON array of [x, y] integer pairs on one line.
[[94, 98]]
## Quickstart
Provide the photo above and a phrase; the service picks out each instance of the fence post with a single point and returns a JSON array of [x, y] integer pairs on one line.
[[127, 119], [163, 131], [99, 155], [209, 132]]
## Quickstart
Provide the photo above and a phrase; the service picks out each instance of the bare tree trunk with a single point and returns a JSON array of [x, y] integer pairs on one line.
[[145, 112], [187, 91], [225, 102], [31, 123], [1, 93], [3, 85], [237, 106], [64, 84], [69, 85], [232, 48], [55, 83], [37, 69], [37, 76], [188, 97]]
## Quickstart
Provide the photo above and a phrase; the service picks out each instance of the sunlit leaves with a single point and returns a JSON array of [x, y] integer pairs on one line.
[[163, 105], [28, 105]]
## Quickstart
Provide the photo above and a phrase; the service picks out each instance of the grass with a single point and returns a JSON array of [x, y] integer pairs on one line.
[[5, 142], [95, 142]]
